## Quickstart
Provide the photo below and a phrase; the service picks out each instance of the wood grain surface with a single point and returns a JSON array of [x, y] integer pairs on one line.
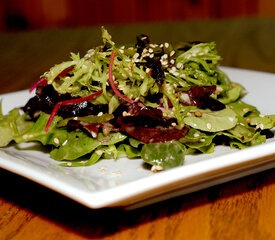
[[241, 209]]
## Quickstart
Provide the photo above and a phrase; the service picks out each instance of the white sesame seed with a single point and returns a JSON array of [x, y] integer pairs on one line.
[[183, 75], [174, 69], [165, 56], [151, 55], [69, 164], [121, 50], [161, 45], [56, 140], [156, 168], [100, 114], [136, 55], [231, 119], [196, 135], [174, 124], [150, 50], [99, 152], [166, 45], [94, 135], [172, 53], [164, 63], [179, 65], [209, 126], [172, 61], [65, 142]]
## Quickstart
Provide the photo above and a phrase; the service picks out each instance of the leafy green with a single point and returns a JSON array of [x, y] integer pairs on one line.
[[212, 121], [11, 125], [166, 155]]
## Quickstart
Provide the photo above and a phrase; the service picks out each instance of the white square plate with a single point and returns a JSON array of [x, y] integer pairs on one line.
[[126, 183]]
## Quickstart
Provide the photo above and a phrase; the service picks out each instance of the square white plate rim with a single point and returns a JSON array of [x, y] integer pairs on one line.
[[164, 184]]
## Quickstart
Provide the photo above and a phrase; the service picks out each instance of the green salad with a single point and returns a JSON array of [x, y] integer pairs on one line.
[[158, 102]]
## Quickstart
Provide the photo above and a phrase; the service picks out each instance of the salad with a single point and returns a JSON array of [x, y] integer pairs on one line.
[[158, 102]]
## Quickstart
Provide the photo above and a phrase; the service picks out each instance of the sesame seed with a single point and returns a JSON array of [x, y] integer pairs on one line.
[[209, 126], [196, 134], [136, 55], [94, 135], [174, 69], [156, 168], [161, 45], [56, 140], [246, 109], [121, 50], [179, 65], [65, 142], [150, 50], [174, 124], [147, 70], [99, 152], [172, 61], [100, 114], [231, 119], [172, 53], [164, 63], [183, 75], [166, 45], [69, 164], [125, 114], [151, 55], [198, 114]]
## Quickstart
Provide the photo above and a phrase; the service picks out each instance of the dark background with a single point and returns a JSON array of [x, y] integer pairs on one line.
[[36, 14]]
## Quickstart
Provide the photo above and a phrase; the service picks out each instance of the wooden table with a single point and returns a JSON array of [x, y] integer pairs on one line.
[[242, 209]]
